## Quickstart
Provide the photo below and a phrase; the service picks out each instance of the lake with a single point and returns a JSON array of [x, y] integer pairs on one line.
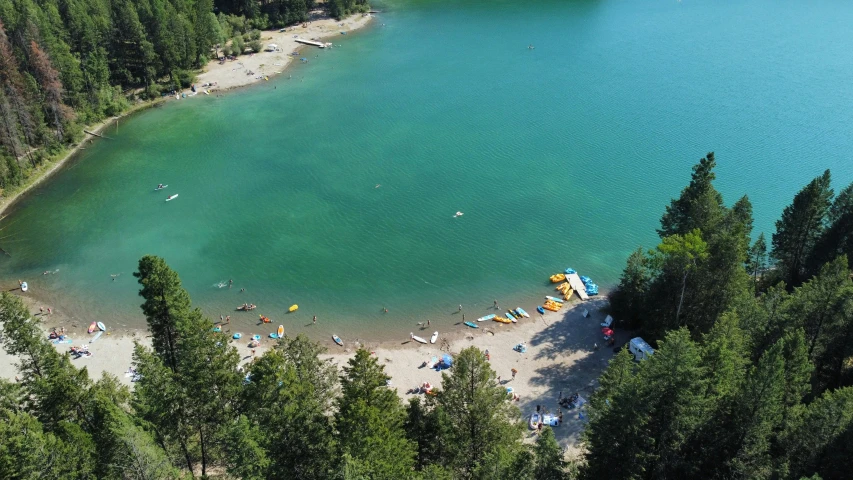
[[337, 189]]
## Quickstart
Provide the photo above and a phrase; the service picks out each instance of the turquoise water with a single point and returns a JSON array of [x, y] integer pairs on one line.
[[563, 155]]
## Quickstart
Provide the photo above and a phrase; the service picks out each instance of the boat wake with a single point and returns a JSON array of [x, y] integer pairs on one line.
[[220, 284]]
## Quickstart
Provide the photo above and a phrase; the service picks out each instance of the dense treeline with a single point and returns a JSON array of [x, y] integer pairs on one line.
[[68, 63], [752, 377], [289, 414]]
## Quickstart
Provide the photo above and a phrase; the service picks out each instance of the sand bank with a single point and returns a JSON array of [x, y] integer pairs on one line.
[[560, 357], [233, 74]]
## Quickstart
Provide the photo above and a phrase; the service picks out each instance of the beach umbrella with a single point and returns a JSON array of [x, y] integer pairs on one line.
[[447, 360]]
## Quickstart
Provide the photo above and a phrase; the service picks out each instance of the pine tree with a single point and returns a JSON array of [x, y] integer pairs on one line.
[[676, 262], [550, 464], [757, 261], [627, 300], [801, 225], [293, 385], [476, 413], [700, 206], [370, 419]]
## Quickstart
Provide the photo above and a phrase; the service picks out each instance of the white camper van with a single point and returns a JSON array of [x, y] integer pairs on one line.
[[640, 349]]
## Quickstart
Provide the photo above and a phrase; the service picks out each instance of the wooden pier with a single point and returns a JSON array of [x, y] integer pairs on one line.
[[310, 42], [577, 285]]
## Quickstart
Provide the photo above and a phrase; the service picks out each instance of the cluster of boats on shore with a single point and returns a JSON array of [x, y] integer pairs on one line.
[[511, 316]]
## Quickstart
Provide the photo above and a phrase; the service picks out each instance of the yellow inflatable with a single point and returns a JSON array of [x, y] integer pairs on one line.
[[557, 278], [502, 320], [293, 308], [562, 286], [553, 306]]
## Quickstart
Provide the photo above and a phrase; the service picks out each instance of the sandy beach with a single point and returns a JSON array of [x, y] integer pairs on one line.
[[235, 73], [560, 357]]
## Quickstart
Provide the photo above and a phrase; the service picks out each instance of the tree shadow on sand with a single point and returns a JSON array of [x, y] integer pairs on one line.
[[574, 364]]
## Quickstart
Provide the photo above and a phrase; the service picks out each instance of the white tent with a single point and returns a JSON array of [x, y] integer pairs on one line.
[[272, 47]]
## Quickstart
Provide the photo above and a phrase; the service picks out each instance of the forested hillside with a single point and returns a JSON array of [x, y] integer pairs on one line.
[[752, 377], [68, 63]]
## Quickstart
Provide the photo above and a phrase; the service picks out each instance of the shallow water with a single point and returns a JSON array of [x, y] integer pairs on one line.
[[561, 155]]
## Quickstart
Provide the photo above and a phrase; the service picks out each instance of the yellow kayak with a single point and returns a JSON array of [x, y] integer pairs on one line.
[[553, 306], [293, 308], [502, 319]]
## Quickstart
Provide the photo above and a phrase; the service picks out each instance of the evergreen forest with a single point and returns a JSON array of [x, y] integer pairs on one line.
[[65, 64], [751, 378]]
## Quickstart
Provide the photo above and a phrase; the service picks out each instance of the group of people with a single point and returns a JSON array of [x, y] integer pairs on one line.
[[82, 351], [247, 306]]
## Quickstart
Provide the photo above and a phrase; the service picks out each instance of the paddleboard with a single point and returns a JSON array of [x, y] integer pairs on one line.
[[172, 197], [338, 340], [509, 316], [434, 337], [97, 336], [472, 324], [418, 339], [160, 188], [92, 327], [24, 287], [487, 317], [102, 327], [522, 312], [555, 299], [280, 331]]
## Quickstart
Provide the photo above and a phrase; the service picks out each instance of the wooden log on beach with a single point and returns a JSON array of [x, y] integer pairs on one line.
[[95, 134]]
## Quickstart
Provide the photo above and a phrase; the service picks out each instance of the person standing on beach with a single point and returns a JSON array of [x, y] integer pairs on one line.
[[514, 371], [315, 320], [460, 307], [228, 319], [496, 305]]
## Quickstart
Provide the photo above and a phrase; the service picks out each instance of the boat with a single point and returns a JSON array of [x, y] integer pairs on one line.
[[280, 331], [161, 187], [487, 317], [535, 419], [417, 338], [434, 337], [514, 313], [172, 197], [540, 309], [472, 324], [102, 327], [502, 320], [273, 335], [555, 299], [338, 340], [293, 308], [237, 336], [92, 327], [558, 277], [511, 317], [24, 287], [554, 307], [521, 311]]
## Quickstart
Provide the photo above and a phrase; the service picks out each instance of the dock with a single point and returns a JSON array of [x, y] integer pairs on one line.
[[310, 42], [577, 285]]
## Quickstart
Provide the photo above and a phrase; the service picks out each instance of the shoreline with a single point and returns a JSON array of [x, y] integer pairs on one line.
[[561, 356], [50, 167], [323, 28], [232, 75]]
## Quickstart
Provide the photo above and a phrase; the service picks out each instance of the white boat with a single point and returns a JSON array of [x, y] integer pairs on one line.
[[417, 338], [434, 337], [172, 197], [101, 327], [24, 287]]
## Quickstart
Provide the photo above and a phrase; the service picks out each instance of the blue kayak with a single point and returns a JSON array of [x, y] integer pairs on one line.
[[509, 316], [540, 309], [521, 312], [472, 324]]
